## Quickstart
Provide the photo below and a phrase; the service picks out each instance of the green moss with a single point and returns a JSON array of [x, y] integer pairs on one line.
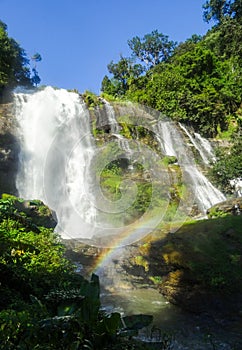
[[167, 160], [156, 279], [211, 250], [140, 261]]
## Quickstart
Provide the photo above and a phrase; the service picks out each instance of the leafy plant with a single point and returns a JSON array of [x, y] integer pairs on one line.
[[44, 304]]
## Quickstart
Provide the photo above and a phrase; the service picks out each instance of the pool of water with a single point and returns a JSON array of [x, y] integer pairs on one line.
[[184, 331]]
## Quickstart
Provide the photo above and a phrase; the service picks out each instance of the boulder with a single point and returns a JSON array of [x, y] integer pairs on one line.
[[38, 212], [231, 206], [32, 213]]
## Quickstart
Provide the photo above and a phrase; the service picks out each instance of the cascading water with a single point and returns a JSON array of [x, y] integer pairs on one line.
[[110, 113], [58, 155], [56, 161], [56, 150], [172, 144], [206, 146], [166, 137], [202, 145]]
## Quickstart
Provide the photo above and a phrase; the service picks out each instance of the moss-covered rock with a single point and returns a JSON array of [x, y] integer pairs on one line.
[[32, 213], [199, 267], [231, 206]]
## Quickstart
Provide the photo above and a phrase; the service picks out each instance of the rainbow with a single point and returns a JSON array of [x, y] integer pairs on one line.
[[131, 234]]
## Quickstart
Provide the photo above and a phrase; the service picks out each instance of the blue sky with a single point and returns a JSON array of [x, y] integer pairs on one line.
[[78, 38]]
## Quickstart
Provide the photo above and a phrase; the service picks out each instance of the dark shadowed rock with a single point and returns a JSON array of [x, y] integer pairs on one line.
[[9, 150]]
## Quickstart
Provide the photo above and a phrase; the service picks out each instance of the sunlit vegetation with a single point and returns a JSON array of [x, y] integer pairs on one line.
[[44, 304], [197, 82], [14, 64]]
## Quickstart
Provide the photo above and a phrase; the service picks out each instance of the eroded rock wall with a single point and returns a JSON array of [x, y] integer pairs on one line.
[[9, 150]]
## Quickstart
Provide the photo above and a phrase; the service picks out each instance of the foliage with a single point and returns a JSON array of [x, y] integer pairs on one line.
[[198, 81], [195, 86], [91, 99], [215, 9], [223, 39], [44, 304], [219, 9], [124, 72], [152, 48], [36, 57], [14, 65], [228, 164]]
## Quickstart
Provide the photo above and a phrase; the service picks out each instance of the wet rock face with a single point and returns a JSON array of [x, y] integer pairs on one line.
[[102, 121], [9, 150]]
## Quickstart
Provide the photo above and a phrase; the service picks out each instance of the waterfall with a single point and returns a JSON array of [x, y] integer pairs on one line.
[[202, 145], [123, 144], [173, 144], [206, 146], [106, 118], [111, 117], [165, 137], [60, 164], [56, 151]]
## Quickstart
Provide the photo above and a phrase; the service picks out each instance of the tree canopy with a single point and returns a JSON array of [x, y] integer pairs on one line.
[[198, 81], [14, 64], [152, 48], [217, 10]]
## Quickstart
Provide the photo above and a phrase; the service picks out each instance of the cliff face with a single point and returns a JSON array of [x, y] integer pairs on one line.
[[9, 150]]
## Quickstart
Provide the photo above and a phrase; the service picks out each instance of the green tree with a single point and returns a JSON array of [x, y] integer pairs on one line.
[[187, 45], [36, 57], [228, 163], [124, 71], [217, 10], [236, 10], [14, 65], [224, 40], [152, 48]]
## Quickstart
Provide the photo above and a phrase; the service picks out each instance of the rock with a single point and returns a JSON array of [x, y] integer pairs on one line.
[[32, 211], [102, 121], [198, 266], [9, 150], [231, 206]]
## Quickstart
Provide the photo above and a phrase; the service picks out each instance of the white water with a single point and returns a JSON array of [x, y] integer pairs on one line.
[[111, 118], [56, 150], [206, 146], [166, 137], [123, 144], [204, 194], [201, 144], [58, 154]]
